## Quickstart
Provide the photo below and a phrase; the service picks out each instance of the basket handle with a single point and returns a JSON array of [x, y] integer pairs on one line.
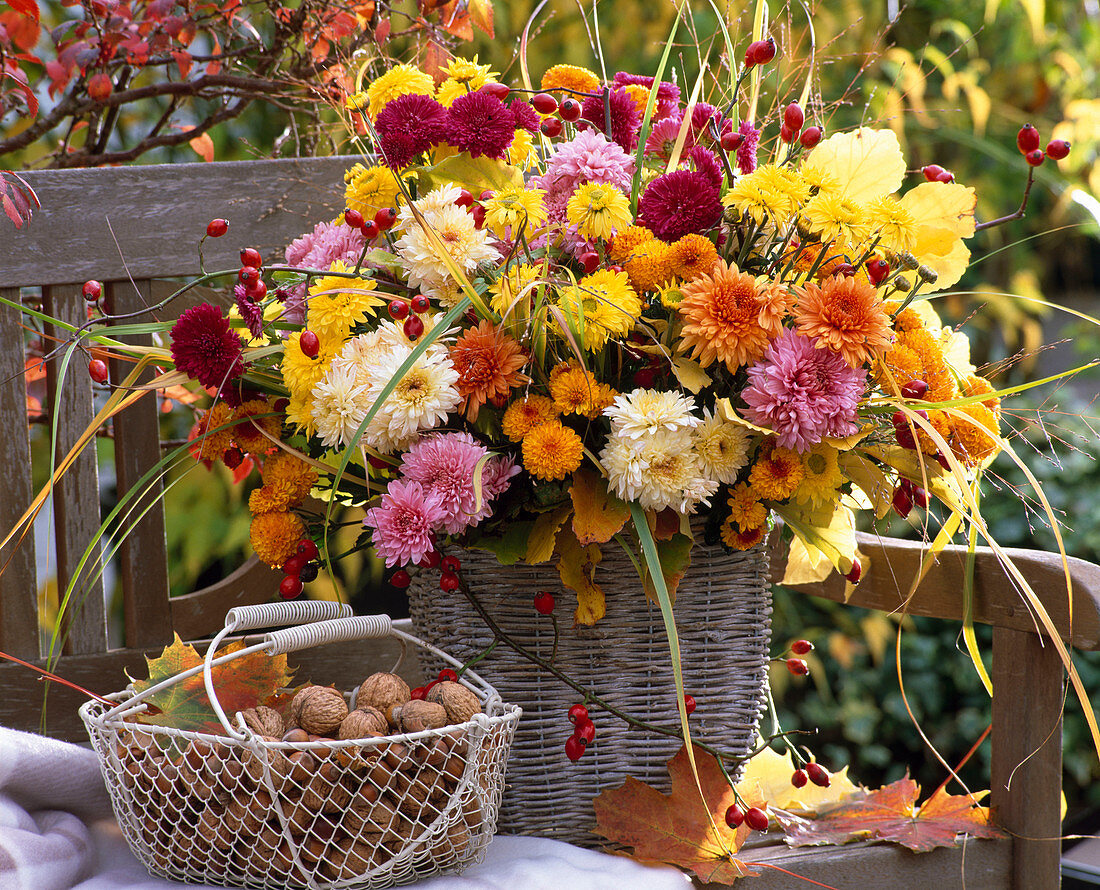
[[338, 630], [282, 614]]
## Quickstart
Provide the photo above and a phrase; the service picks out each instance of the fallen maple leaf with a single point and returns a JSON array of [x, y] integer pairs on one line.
[[891, 814], [241, 683], [677, 828]]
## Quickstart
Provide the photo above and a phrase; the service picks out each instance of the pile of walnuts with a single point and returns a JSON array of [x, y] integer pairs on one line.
[[291, 812]]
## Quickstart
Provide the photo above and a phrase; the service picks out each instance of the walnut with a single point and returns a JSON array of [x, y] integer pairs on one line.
[[363, 723], [383, 691], [459, 702], [319, 709], [417, 715], [263, 721]]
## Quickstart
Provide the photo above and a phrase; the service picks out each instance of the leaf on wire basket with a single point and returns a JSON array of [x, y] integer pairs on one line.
[[677, 828], [891, 814], [241, 683]]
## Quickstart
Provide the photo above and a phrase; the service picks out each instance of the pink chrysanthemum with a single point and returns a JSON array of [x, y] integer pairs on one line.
[[251, 313], [662, 138], [409, 125], [668, 94], [319, 249], [625, 119], [804, 393], [746, 152], [480, 124], [205, 347], [679, 203], [705, 162], [404, 522], [444, 465], [524, 116]]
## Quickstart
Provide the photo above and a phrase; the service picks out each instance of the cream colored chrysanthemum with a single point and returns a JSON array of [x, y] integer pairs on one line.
[[644, 412], [515, 209], [421, 400], [722, 447], [340, 403], [400, 80], [659, 471], [437, 199]]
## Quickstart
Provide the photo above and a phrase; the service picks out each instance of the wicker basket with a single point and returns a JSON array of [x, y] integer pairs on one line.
[[723, 618], [244, 810]]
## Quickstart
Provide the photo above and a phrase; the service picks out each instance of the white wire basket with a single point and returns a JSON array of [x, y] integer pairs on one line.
[[250, 811]]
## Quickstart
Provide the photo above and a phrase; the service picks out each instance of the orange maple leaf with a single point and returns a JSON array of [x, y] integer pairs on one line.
[[891, 814], [677, 828]]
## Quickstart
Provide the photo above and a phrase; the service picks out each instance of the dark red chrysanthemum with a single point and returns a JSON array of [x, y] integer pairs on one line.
[[409, 125], [705, 162], [679, 203], [624, 117], [746, 152], [205, 347], [668, 94], [251, 313], [526, 118], [480, 124]]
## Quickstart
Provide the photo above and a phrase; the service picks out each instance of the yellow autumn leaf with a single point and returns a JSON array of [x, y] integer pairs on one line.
[[825, 532], [598, 515], [869, 478], [866, 163], [768, 776], [540, 546], [942, 205], [805, 565], [576, 567], [690, 374]]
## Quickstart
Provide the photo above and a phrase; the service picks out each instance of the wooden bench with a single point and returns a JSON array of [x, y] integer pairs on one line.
[[132, 226]]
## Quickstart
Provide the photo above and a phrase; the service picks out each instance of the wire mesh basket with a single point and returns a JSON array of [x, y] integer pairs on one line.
[[252, 811]]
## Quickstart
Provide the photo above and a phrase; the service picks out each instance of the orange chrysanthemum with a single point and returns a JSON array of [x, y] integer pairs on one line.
[[979, 386], [552, 451], [650, 265], [523, 415], [737, 538], [249, 431], [776, 474], [622, 246], [934, 371], [569, 77], [897, 366], [693, 255], [290, 475], [906, 320], [575, 391], [488, 363], [213, 442], [942, 423], [971, 439], [847, 315], [728, 317], [746, 511], [275, 536]]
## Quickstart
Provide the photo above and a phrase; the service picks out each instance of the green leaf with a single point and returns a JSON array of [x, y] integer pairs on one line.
[[474, 174]]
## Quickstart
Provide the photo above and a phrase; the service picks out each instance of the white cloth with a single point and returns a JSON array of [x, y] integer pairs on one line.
[[57, 833]]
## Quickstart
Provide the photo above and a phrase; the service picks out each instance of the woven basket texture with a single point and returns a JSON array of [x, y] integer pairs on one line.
[[723, 619]]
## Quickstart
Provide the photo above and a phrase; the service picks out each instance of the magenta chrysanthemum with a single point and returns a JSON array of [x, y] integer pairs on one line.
[[205, 347], [706, 163], [319, 249], [251, 313], [524, 116], [746, 152], [804, 393], [668, 94], [403, 523], [679, 203], [445, 466], [480, 124], [409, 125], [625, 119]]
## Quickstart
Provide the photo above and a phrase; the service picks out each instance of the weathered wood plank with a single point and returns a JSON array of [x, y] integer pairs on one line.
[[19, 580], [202, 613], [893, 564], [76, 496], [976, 865], [143, 555], [115, 222], [1026, 781]]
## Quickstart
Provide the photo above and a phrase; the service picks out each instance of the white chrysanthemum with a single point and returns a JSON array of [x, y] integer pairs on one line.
[[658, 471], [467, 246], [363, 352], [645, 411], [340, 402], [435, 200], [722, 447], [421, 400]]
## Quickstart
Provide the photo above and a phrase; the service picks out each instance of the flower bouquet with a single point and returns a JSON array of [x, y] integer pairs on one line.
[[600, 321]]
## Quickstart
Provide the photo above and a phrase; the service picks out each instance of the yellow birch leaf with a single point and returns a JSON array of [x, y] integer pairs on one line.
[[948, 264], [869, 478], [576, 566], [942, 205], [805, 564], [540, 546], [597, 514], [768, 776], [834, 535], [690, 374], [866, 163]]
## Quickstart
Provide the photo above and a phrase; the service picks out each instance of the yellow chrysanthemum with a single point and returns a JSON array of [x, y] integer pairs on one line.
[[692, 256], [598, 210], [291, 474], [776, 474], [741, 539], [640, 95], [671, 295], [819, 180], [515, 209], [769, 191], [521, 153], [821, 476], [214, 442], [400, 80], [463, 76], [300, 372], [275, 536], [837, 219], [892, 223], [651, 265], [571, 78], [299, 413], [626, 240], [602, 305], [575, 391], [523, 415], [512, 293], [336, 304], [253, 431], [745, 507], [552, 451], [369, 189]]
